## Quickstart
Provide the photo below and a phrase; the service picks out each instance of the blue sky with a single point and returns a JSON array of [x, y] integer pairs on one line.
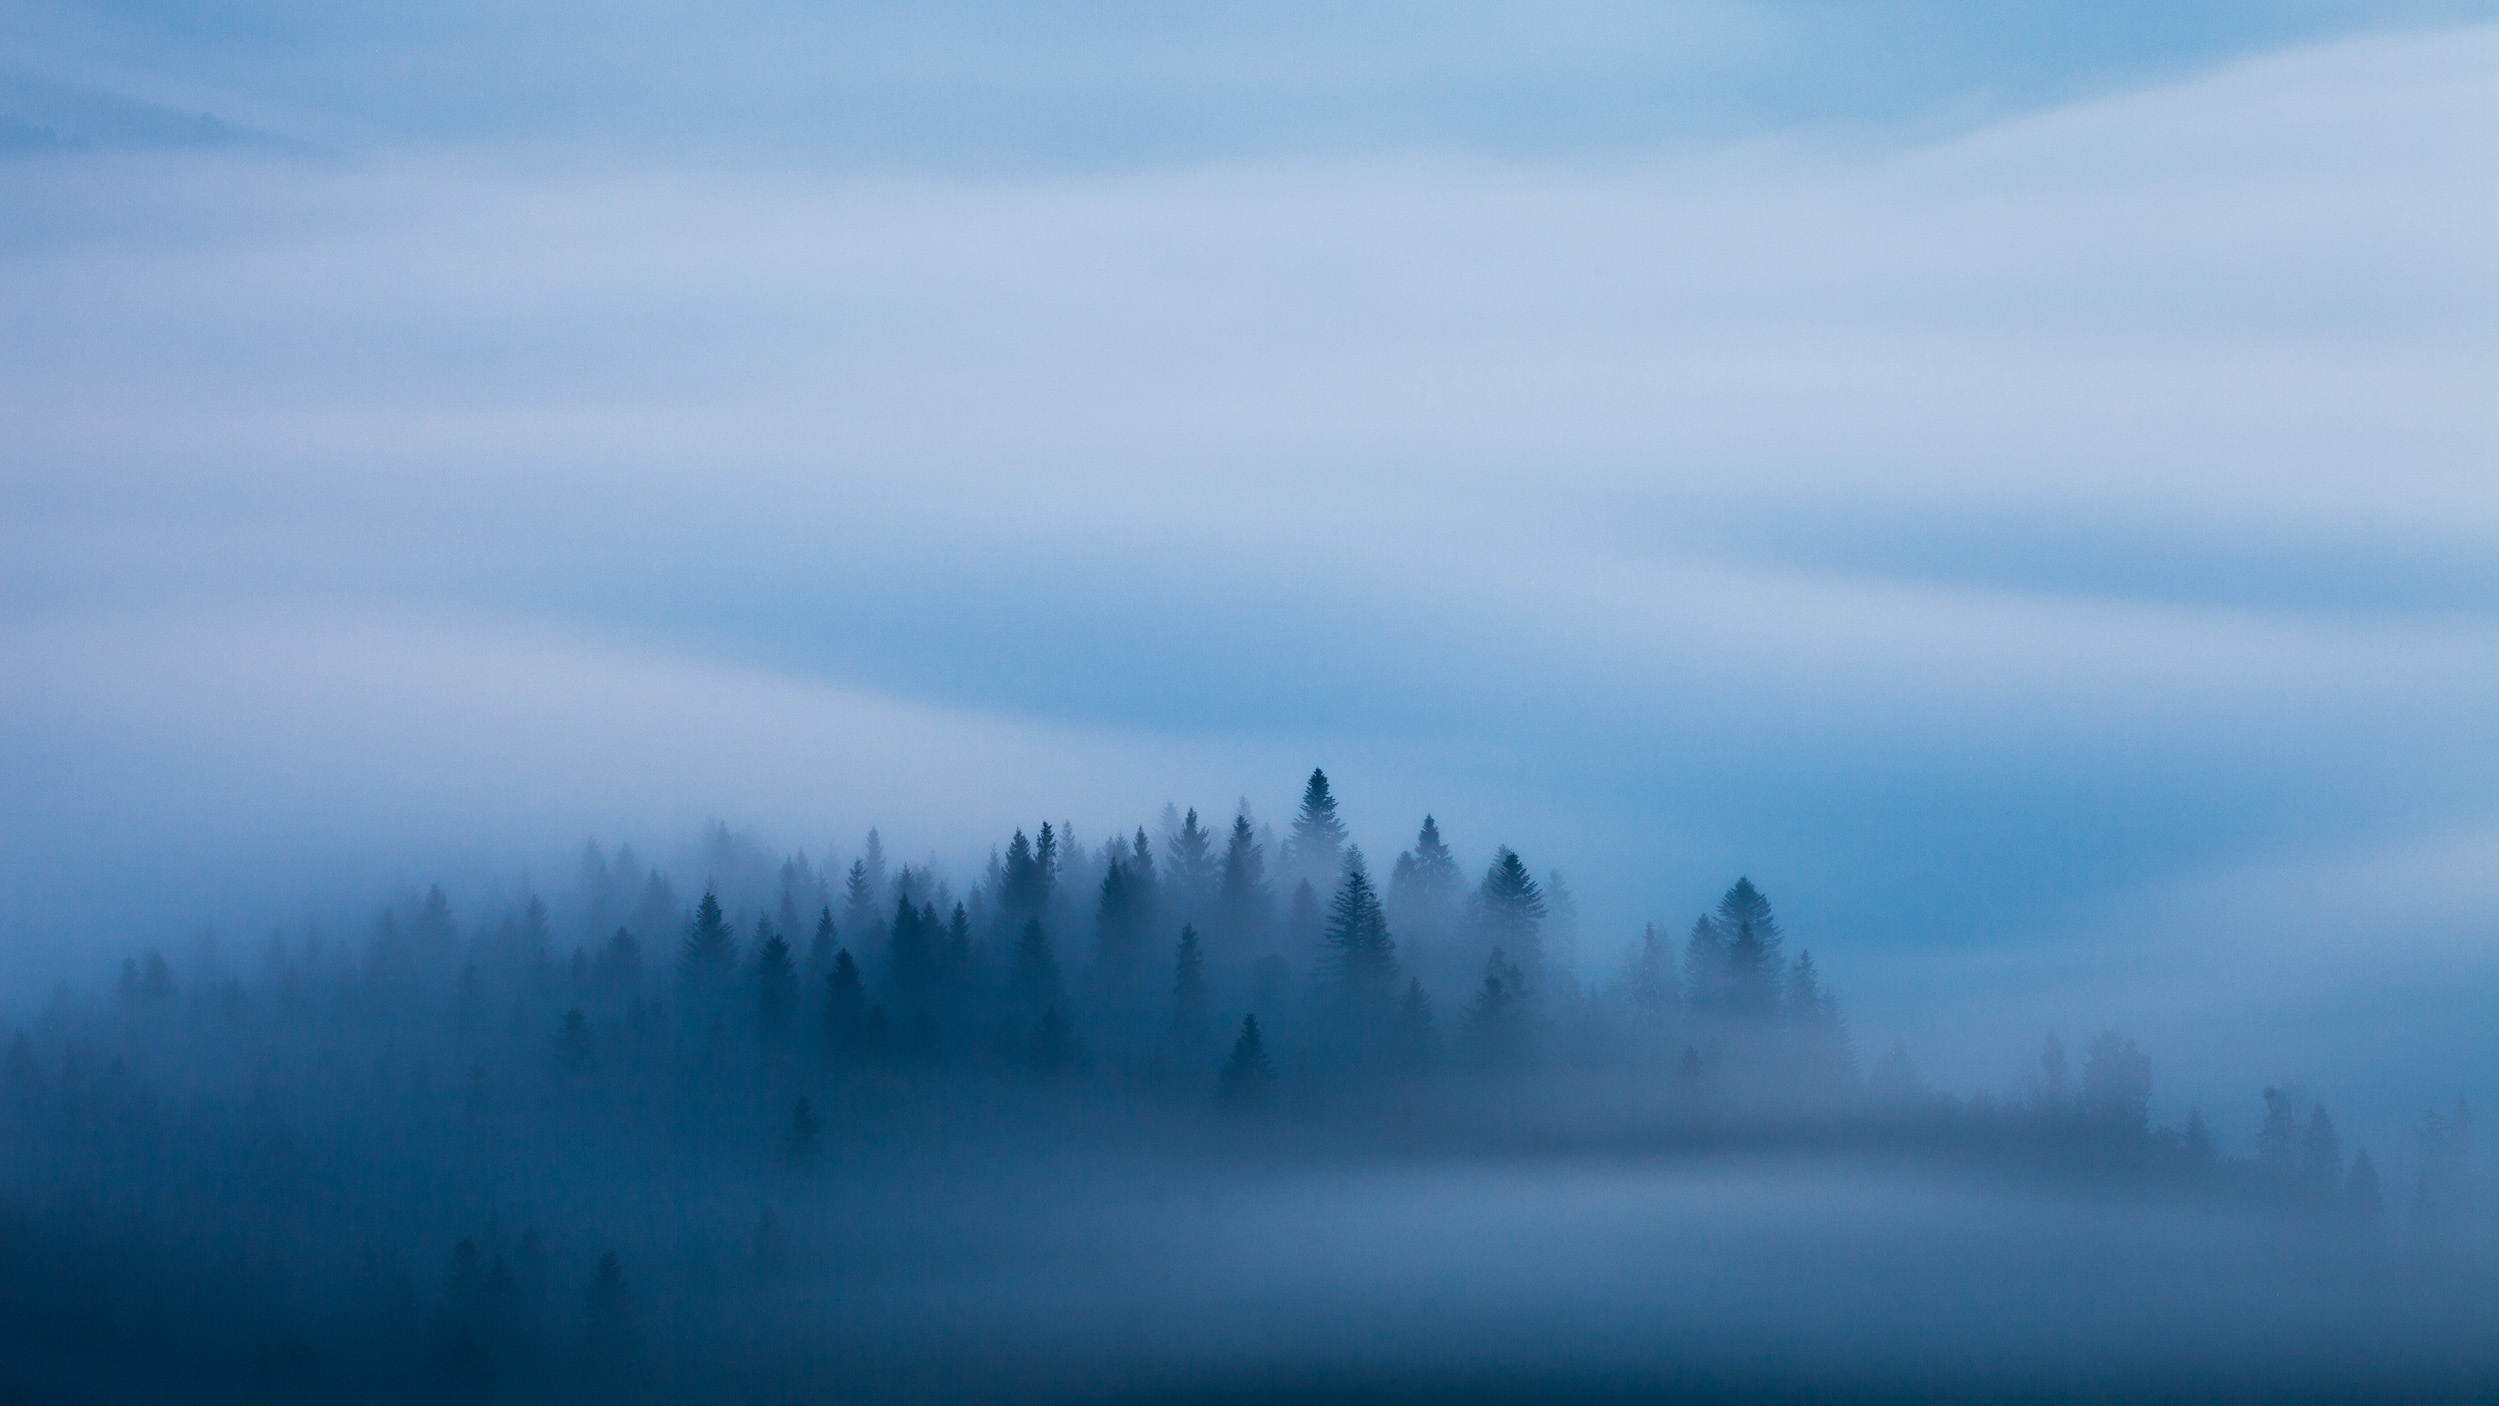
[[2016, 480]]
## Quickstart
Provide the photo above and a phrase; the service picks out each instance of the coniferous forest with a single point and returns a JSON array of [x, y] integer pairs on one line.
[[1202, 1109]]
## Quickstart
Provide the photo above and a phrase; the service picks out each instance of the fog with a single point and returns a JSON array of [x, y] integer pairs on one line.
[[1150, 1117], [2013, 484]]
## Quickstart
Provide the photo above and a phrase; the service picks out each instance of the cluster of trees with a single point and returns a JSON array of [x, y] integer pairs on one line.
[[337, 1107]]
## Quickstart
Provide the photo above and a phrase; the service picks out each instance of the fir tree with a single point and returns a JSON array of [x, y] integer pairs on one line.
[[1510, 907], [1188, 983], [1752, 936], [1357, 940], [1248, 1079], [1190, 868], [859, 901], [1243, 900], [911, 950], [820, 948], [776, 982], [1116, 934], [1316, 849], [844, 1020], [711, 949]]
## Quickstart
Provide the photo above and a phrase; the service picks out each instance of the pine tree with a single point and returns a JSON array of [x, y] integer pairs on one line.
[[1243, 900], [1190, 867], [1316, 849], [1495, 1033], [711, 949], [572, 1042], [1510, 908], [618, 970], [1357, 941], [1145, 899], [1188, 983], [844, 1020], [958, 955], [820, 949], [911, 950], [2277, 1140], [1754, 965], [776, 982], [859, 901], [1116, 935], [1248, 1080]]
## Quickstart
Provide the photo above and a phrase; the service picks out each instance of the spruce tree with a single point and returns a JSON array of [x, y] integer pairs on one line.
[[911, 951], [1190, 869], [1510, 908], [1754, 964], [844, 1000], [1247, 1079], [820, 949], [1417, 1040], [1652, 976], [776, 983], [1116, 934], [1243, 900], [1495, 1031], [1316, 849], [1188, 982], [1357, 940], [711, 949]]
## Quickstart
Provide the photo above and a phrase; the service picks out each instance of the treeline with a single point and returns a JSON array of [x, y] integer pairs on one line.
[[324, 1150]]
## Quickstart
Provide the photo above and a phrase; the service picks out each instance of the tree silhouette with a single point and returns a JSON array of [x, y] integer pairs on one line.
[[1247, 1078]]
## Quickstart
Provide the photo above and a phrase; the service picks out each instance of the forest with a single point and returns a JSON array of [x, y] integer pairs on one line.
[[783, 1129]]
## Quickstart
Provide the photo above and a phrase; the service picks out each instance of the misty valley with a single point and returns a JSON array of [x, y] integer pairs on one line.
[[1210, 1112]]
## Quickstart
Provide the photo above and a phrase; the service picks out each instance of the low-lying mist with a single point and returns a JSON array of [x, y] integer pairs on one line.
[[1203, 1111]]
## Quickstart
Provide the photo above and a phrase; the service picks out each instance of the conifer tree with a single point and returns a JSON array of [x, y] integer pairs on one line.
[[1357, 940], [1248, 1080], [844, 997], [1754, 964], [1423, 887], [1495, 1031], [958, 955], [1316, 850], [711, 949], [1116, 934], [2199, 1139], [1510, 908], [619, 967], [1188, 991], [776, 983], [911, 951], [859, 901], [1243, 900], [820, 948], [1190, 868], [1145, 899]]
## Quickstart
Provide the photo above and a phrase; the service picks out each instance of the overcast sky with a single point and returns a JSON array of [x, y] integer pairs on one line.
[[2016, 480]]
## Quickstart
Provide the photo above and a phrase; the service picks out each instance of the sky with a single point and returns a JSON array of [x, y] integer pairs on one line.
[[2015, 480]]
